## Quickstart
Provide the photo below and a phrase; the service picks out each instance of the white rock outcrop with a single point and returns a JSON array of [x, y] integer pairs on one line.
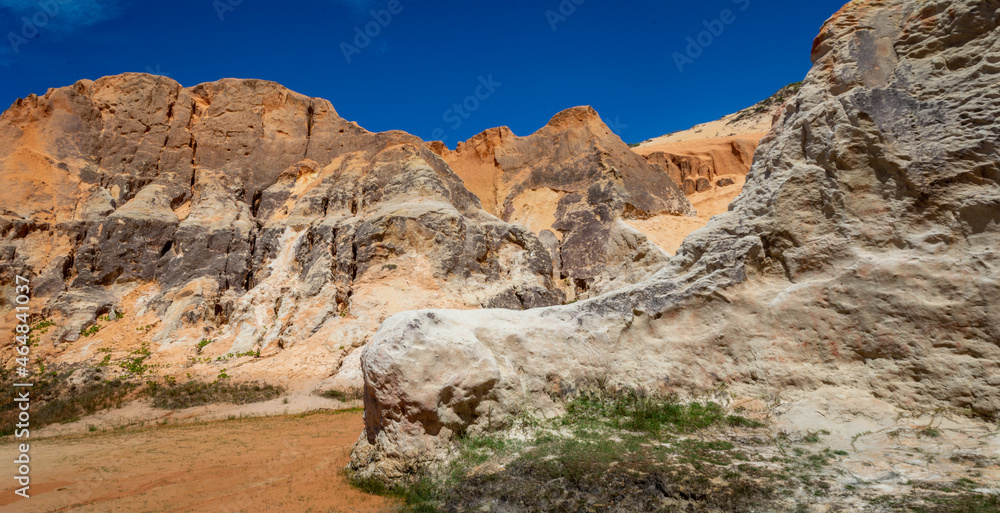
[[863, 254]]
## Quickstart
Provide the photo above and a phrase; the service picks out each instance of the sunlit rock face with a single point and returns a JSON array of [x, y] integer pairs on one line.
[[243, 213], [862, 254]]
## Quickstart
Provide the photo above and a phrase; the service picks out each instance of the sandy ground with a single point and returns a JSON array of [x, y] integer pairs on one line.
[[284, 464]]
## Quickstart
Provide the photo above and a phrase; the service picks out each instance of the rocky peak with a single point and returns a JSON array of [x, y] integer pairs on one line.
[[577, 117], [572, 183]]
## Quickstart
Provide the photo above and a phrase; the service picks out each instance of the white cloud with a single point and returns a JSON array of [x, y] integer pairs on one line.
[[63, 16]]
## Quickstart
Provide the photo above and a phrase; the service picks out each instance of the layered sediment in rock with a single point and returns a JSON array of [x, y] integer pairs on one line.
[[862, 254], [572, 183], [711, 172], [703, 165]]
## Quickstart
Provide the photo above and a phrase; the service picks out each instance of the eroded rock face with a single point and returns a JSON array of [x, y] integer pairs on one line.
[[572, 182], [243, 213], [710, 163], [697, 165], [862, 254], [699, 158]]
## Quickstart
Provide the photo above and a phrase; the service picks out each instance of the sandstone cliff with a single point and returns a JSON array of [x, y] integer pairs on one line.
[[712, 173], [709, 162], [862, 255], [572, 183], [242, 223], [241, 214]]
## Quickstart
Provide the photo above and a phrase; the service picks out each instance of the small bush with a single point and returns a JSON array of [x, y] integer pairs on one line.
[[70, 406], [815, 437], [91, 331], [196, 393], [929, 432], [342, 396], [135, 365]]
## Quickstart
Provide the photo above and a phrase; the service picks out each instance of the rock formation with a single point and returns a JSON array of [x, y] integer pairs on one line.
[[238, 220], [242, 213], [572, 183], [699, 166], [709, 162], [862, 254]]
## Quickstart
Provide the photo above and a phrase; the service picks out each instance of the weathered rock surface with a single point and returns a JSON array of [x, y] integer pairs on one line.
[[722, 150], [572, 182], [709, 162], [696, 165], [243, 213], [862, 254]]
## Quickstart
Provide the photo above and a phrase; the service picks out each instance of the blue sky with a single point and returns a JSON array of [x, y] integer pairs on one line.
[[526, 60]]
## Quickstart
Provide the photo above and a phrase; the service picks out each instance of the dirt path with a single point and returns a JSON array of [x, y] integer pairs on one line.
[[283, 464]]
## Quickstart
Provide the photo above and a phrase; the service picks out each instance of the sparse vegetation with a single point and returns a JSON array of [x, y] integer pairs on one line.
[[636, 411], [42, 326], [957, 499], [229, 356], [640, 452], [341, 395], [55, 403], [629, 449], [929, 432], [196, 393], [109, 318], [91, 330], [814, 437], [135, 364]]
